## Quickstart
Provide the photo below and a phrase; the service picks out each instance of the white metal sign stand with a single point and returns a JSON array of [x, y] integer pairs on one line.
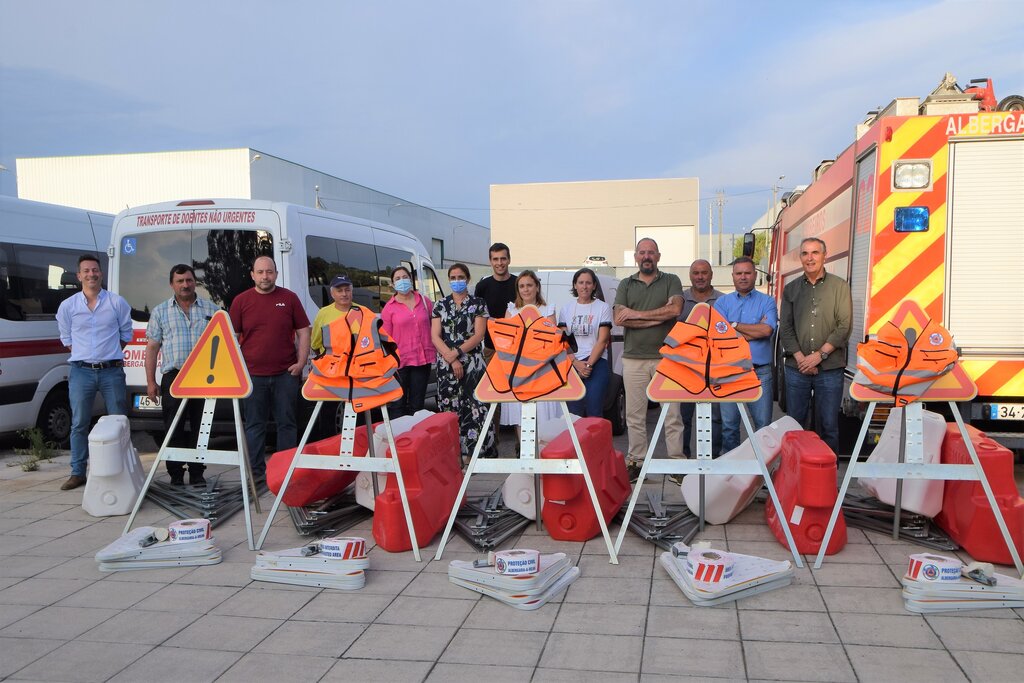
[[704, 464], [202, 453], [346, 461], [529, 463], [912, 466]]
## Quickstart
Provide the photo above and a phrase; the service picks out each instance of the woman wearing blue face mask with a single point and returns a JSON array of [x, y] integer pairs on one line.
[[457, 330], [406, 318]]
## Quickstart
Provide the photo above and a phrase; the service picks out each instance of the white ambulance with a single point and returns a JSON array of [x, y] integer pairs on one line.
[[220, 239], [39, 249]]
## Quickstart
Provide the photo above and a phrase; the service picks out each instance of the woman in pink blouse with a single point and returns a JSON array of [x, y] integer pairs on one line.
[[407, 320]]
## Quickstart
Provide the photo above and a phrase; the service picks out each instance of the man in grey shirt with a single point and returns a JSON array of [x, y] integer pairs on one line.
[[814, 329]]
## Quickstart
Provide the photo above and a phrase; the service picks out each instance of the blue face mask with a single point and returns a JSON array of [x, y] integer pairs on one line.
[[459, 286], [403, 286]]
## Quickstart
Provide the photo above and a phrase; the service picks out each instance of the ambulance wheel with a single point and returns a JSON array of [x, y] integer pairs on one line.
[[1011, 103], [55, 418]]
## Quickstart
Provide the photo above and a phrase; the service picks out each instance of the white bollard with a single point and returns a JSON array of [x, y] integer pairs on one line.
[[115, 472]]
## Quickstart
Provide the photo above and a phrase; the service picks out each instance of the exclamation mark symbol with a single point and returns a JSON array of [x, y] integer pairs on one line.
[[214, 343]]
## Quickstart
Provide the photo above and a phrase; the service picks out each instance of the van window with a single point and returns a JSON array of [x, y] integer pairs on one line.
[[34, 280], [326, 258], [429, 285], [222, 260], [387, 260]]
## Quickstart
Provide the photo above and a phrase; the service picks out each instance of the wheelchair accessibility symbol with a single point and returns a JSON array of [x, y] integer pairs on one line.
[[128, 246]]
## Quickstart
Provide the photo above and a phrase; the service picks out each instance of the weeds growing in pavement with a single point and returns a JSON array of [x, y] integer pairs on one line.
[[38, 450]]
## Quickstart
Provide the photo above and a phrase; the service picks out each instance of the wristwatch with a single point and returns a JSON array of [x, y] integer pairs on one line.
[[824, 354], [734, 325]]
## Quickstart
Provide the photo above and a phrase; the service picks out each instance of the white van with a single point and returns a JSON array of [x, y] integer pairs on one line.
[[220, 239], [39, 249], [556, 286]]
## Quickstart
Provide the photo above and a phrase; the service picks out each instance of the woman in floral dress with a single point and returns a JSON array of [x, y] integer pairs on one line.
[[457, 327]]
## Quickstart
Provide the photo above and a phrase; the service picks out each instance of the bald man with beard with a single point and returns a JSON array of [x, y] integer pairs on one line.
[[647, 304]]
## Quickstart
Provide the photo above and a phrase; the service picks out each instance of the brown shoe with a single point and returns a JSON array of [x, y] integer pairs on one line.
[[73, 482]]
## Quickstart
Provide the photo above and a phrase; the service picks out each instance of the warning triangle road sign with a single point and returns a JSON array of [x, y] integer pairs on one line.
[[312, 391], [955, 385], [215, 368]]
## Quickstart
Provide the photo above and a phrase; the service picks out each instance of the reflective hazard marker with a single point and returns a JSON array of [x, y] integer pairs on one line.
[[215, 368]]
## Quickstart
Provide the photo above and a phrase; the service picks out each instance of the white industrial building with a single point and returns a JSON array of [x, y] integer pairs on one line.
[[112, 182]]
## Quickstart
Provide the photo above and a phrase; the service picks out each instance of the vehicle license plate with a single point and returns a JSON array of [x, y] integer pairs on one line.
[[142, 402], [1006, 411]]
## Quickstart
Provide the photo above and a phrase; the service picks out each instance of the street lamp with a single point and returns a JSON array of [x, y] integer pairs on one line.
[[775, 206]]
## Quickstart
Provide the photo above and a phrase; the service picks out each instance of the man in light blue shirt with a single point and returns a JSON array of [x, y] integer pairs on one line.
[[175, 328], [95, 325], [754, 316]]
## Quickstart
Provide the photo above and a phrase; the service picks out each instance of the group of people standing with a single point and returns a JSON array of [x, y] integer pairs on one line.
[[813, 328], [276, 339], [459, 333]]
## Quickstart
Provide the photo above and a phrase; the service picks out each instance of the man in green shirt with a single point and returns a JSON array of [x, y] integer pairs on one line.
[[647, 304], [814, 329]]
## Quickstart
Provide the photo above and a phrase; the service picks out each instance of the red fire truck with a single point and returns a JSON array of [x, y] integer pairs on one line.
[[927, 204]]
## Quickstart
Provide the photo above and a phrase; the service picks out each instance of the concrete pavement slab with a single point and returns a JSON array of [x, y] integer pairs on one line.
[[620, 654], [174, 665], [885, 664], [483, 646], [77, 662], [311, 639], [787, 661], [139, 626]]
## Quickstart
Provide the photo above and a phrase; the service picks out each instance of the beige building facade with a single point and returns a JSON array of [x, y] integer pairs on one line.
[[562, 225]]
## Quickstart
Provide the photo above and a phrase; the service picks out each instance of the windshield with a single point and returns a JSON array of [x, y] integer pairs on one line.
[[222, 260]]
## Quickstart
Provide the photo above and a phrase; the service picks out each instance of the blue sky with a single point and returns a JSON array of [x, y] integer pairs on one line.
[[434, 101]]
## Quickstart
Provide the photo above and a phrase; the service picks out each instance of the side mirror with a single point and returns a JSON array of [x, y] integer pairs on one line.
[[748, 244]]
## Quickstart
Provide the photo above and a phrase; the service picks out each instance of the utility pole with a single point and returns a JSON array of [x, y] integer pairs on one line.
[[721, 202], [711, 234], [775, 190]]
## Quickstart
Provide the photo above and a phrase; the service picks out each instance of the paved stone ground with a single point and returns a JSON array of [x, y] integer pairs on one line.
[[63, 620]]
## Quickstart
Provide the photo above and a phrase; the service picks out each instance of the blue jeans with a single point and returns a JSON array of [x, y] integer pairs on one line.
[[592, 405], [827, 387], [688, 410], [760, 411], [277, 392], [83, 383]]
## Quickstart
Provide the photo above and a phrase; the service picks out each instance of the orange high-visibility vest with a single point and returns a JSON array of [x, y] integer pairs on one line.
[[358, 367], [531, 357], [716, 358], [902, 364]]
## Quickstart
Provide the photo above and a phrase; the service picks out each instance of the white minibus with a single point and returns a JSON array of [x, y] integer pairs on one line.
[[220, 239], [39, 249]]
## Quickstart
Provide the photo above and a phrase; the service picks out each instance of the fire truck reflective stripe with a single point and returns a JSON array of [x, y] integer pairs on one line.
[[1003, 378], [903, 279], [928, 294]]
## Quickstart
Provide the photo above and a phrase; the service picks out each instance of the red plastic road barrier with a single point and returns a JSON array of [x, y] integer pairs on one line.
[[966, 515], [807, 487], [568, 512], [431, 465], [308, 486]]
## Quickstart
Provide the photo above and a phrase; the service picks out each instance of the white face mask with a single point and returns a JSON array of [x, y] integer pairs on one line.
[[403, 286]]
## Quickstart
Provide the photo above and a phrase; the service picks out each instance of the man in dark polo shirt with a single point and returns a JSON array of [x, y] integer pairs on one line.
[[814, 328], [647, 304]]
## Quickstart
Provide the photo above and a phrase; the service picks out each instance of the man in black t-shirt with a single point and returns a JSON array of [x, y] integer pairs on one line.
[[498, 290]]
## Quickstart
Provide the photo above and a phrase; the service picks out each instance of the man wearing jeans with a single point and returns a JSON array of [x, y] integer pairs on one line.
[[95, 325], [273, 334], [752, 314], [646, 305], [814, 328]]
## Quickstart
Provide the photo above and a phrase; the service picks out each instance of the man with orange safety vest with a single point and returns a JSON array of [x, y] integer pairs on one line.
[[700, 291], [647, 304], [814, 329]]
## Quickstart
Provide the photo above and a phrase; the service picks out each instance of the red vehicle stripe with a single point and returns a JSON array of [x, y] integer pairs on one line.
[[31, 347]]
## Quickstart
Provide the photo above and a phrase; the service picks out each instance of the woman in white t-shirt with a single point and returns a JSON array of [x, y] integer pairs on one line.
[[589, 319], [528, 294]]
